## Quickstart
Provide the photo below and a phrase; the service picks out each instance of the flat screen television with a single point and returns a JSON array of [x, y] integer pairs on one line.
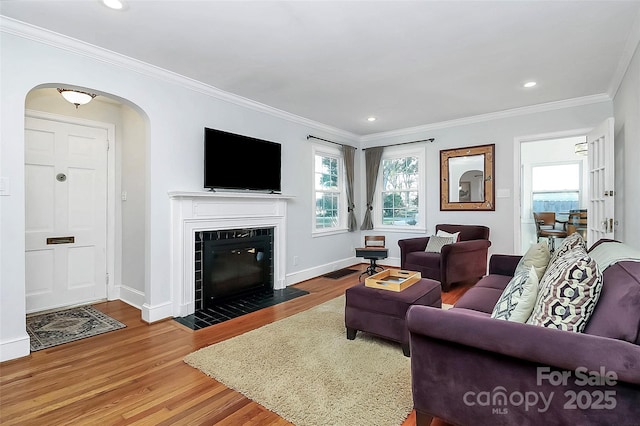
[[239, 162]]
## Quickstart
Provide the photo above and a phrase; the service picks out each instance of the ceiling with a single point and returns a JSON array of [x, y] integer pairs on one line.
[[408, 63]]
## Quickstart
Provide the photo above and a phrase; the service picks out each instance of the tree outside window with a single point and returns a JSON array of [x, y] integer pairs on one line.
[[399, 192], [328, 191]]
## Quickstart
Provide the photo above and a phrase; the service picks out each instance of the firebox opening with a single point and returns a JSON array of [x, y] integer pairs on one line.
[[235, 263]]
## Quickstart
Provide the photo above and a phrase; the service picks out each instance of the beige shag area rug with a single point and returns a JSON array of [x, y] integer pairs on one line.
[[304, 369]]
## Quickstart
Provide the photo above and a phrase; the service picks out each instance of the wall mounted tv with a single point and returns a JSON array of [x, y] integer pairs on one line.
[[239, 162]]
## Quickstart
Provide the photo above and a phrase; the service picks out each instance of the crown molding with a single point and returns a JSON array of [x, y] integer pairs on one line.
[[78, 47], [514, 112], [38, 34], [633, 41]]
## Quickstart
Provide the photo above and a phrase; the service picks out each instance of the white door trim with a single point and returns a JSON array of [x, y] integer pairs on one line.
[[517, 175], [601, 142], [112, 289]]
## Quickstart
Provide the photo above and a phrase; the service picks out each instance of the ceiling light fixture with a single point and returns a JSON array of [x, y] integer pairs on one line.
[[529, 84], [113, 4], [371, 119], [76, 97]]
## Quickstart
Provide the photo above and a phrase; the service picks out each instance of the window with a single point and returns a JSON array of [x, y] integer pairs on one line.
[[556, 188], [400, 198], [330, 198]]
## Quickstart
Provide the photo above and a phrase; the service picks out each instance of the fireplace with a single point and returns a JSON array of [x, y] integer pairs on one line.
[[196, 213], [232, 263]]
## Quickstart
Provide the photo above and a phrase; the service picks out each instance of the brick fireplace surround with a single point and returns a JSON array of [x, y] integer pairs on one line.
[[193, 212]]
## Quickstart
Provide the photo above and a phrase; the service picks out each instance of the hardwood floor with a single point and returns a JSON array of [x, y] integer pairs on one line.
[[136, 375]]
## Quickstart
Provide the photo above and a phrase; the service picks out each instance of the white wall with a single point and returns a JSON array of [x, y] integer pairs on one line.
[[176, 118], [627, 151], [133, 170], [503, 132]]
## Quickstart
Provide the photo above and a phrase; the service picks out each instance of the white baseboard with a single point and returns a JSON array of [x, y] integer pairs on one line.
[[307, 274], [316, 271], [15, 348], [131, 296], [390, 262], [156, 313]]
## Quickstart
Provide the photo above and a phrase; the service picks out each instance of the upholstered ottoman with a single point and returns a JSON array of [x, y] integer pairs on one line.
[[382, 312]]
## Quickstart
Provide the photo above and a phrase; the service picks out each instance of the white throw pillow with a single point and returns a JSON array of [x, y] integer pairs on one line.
[[518, 298], [455, 235], [537, 256], [435, 243]]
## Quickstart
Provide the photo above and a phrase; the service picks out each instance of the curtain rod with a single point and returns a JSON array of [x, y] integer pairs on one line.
[[327, 140], [403, 143]]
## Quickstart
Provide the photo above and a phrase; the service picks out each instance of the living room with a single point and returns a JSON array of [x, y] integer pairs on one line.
[[160, 117]]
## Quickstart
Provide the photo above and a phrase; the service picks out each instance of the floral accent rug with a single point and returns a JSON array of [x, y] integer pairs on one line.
[[55, 328]]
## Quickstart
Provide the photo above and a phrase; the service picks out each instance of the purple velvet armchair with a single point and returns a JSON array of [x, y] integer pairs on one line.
[[470, 369], [458, 262]]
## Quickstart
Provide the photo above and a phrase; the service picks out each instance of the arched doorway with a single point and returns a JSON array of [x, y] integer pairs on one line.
[[119, 202]]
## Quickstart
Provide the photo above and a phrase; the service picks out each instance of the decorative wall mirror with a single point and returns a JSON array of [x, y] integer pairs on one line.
[[466, 178]]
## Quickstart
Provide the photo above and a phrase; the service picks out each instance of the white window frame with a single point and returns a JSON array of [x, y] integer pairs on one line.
[[581, 190], [400, 152], [333, 152]]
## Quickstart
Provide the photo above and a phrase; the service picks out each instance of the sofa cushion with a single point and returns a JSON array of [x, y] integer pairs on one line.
[[435, 243], [483, 296], [518, 298], [424, 259], [617, 314], [568, 293], [496, 281], [537, 256]]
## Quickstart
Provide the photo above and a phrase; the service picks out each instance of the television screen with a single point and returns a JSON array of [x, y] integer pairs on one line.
[[233, 161]]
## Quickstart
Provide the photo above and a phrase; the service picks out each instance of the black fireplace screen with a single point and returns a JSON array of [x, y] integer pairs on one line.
[[235, 262]]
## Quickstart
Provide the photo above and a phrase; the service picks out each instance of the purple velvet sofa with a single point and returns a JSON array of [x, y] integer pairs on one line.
[[470, 369], [461, 261]]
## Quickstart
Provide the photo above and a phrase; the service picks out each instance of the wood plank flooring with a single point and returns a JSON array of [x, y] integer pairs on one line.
[[136, 376]]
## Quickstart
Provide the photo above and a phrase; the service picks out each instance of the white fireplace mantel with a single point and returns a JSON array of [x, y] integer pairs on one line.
[[193, 212]]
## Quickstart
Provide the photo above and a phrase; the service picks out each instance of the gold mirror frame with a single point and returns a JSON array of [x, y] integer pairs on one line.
[[488, 204]]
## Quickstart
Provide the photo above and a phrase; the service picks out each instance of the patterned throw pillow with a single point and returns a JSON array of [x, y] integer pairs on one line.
[[519, 297], [568, 293], [435, 243], [537, 256], [572, 242]]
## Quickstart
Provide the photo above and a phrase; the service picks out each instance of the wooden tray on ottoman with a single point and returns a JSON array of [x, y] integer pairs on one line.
[[393, 279]]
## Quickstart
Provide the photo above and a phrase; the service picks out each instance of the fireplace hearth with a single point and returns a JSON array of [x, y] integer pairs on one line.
[[235, 307], [234, 275]]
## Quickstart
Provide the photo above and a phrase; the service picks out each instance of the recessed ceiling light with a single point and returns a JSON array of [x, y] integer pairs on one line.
[[371, 119], [530, 84], [113, 4]]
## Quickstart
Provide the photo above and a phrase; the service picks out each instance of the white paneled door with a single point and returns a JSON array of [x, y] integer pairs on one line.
[[600, 219], [66, 213]]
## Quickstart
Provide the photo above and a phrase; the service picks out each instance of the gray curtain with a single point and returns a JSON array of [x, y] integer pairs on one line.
[[349, 154], [372, 157]]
